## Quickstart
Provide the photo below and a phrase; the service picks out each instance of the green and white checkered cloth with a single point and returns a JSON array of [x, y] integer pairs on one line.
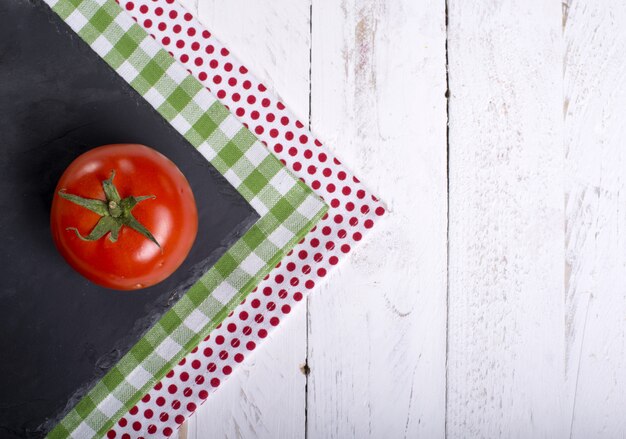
[[288, 208]]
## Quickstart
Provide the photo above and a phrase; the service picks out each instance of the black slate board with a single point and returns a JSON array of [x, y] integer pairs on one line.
[[59, 333]]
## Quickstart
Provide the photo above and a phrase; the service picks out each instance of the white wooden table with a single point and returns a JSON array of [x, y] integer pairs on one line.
[[492, 301]]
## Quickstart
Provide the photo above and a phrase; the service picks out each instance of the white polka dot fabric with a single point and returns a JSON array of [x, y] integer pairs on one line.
[[353, 211]]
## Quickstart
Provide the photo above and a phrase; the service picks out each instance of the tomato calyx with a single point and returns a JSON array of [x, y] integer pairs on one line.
[[114, 213]]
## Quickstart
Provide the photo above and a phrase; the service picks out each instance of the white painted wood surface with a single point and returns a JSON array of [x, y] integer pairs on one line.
[[492, 302], [377, 330], [505, 301], [595, 161]]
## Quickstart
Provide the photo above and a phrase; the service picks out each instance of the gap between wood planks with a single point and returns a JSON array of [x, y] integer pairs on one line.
[[445, 398], [305, 367]]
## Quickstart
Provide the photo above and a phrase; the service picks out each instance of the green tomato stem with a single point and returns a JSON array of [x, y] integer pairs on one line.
[[114, 213]]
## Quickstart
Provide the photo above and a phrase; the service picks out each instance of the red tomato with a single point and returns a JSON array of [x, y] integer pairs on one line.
[[136, 239]]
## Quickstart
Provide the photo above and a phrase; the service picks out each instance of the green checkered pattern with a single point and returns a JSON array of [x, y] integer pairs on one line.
[[288, 208]]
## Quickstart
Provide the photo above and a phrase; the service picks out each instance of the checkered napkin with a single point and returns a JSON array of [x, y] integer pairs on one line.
[[353, 212], [287, 207]]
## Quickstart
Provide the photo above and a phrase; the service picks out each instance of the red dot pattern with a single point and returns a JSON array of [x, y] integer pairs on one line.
[[352, 212]]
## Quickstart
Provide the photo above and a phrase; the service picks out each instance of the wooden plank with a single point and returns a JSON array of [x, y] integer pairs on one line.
[[505, 339], [266, 397], [595, 96], [377, 331]]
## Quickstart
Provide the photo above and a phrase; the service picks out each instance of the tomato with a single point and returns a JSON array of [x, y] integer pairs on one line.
[[123, 216]]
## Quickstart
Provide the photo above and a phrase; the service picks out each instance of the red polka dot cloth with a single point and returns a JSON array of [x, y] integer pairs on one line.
[[353, 212]]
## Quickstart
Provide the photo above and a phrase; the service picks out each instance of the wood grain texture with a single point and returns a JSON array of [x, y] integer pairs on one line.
[[265, 397], [595, 160], [505, 314], [377, 331]]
